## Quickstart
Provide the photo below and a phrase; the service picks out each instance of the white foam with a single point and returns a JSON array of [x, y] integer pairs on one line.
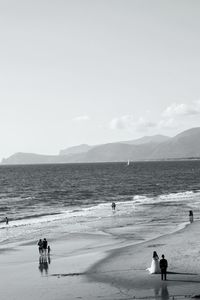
[[78, 218]]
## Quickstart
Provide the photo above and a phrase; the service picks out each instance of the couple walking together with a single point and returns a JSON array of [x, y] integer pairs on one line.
[[43, 246], [158, 267]]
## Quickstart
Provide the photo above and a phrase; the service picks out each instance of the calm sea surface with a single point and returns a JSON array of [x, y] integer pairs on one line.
[[152, 198]]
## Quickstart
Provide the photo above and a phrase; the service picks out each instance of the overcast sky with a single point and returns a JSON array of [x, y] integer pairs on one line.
[[96, 71]]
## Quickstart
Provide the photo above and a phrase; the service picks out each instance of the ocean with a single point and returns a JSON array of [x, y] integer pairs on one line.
[[152, 198]]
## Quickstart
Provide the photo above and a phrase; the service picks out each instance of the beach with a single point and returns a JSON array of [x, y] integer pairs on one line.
[[101, 266], [125, 268], [98, 253]]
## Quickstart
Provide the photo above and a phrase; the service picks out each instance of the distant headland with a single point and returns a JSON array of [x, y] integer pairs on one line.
[[185, 145]]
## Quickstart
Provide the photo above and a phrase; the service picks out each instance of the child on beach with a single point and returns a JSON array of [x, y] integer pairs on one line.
[[48, 249]]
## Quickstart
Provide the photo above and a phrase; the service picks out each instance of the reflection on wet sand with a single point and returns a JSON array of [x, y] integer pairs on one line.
[[161, 292], [44, 262]]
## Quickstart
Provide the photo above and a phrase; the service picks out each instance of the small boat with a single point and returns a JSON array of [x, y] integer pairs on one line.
[[128, 162]]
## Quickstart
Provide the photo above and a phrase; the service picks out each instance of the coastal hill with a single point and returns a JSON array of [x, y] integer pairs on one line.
[[182, 146], [148, 139], [75, 149]]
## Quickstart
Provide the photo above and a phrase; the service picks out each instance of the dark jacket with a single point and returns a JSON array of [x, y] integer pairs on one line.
[[163, 263], [45, 244], [40, 243]]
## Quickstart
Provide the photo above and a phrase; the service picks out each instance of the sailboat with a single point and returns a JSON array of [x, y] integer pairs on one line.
[[128, 162]]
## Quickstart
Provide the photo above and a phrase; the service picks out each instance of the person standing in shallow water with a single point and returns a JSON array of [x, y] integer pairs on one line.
[[191, 217], [163, 267], [113, 206], [6, 220]]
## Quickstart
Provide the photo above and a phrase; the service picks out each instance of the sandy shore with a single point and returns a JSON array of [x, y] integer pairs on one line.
[[62, 275], [125, 268], [96, 266]]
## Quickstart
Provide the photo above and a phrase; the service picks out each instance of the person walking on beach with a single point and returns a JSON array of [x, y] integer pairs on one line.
[[40, 246], [113, 206], [6, 220], [191, 218], [163, 267], [45, 246]]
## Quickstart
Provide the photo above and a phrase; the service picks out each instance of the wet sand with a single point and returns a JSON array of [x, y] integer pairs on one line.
[[98, 266], [62, 275], [125, 268]]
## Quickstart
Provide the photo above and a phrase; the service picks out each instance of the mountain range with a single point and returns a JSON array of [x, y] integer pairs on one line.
[[185, 145]]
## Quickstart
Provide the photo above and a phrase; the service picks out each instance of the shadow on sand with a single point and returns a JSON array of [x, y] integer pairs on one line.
[[181, 273]]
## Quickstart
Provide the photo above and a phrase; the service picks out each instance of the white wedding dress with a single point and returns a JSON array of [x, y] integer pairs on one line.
[[155, 268]]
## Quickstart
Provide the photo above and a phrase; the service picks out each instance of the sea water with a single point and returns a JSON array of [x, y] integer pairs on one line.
[[152, 198]]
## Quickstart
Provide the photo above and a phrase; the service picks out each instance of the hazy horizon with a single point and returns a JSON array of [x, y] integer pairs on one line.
[[92, 72]]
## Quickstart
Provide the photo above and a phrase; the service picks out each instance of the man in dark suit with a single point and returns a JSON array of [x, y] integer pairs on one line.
[[163, 267]]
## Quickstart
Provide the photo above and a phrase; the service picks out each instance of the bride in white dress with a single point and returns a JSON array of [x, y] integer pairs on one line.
[[155, 268]]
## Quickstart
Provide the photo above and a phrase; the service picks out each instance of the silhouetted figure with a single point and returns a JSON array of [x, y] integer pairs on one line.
[[113, 206], [40, 246], [163, 267], [48, 249], [45, 246], [6, 220], [191, 217]]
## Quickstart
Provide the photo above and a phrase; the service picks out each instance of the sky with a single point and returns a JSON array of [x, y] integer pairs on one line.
[[96, 71]]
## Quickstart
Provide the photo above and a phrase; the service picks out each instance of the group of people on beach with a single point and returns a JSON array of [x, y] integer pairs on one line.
[[159, 267], [43, 247]]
